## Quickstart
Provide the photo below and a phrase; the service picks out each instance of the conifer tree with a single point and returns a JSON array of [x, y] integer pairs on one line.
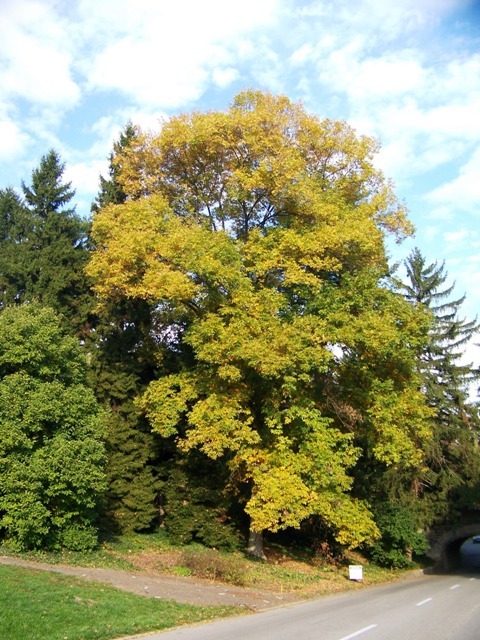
[[43, 244], [13, 254], [56, 242], [121, 369], [111, 190], [453, 460], [439, 362], [47, 194]]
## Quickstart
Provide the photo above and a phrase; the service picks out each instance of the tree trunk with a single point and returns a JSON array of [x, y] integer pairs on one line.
[[255, 544]]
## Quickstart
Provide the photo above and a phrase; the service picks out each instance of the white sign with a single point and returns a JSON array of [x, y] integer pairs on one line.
[[355, 571]]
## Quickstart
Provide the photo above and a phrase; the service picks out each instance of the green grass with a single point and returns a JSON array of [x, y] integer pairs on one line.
[[43, 606]]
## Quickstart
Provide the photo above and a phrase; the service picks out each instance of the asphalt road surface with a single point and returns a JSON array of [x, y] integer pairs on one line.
[[422, 608]]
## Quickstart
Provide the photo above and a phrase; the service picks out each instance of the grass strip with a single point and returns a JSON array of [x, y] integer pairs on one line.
[[42, 606]]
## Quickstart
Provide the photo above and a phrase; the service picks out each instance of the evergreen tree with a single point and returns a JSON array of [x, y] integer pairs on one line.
[[111, 190], [12, 210], [444, 375], [121, 370], [47, 194], [453, 461], [196, 506], [119, 373], [42, 245], [55, 243], [13, 254]]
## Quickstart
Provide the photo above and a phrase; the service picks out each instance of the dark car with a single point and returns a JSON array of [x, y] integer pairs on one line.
[[476, 539]]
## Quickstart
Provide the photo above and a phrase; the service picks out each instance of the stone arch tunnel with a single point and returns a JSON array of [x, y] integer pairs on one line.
[[445, 545]]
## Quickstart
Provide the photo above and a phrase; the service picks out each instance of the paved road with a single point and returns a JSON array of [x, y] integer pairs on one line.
[[423, 608]]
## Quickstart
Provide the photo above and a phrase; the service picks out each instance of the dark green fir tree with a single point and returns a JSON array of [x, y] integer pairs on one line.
[[43, 245], [111, 191], [453, 458], [121, 368], [14, 264], [131, 500], [56, 242]]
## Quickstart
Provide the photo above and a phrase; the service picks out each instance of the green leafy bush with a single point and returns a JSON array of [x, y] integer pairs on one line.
[[400, 537], [78, 538], [51, 448]]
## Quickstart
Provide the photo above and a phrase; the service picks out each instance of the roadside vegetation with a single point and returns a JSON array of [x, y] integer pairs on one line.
[[287, 569]]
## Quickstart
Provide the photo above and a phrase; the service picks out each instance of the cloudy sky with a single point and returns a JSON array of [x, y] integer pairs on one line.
[[72, 72]]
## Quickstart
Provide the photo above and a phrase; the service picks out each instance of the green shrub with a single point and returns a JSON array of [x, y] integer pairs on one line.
[[77, 538], [51, 432], [400, 537]]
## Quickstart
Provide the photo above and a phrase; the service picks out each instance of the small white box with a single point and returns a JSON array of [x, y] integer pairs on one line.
[[355, 571]]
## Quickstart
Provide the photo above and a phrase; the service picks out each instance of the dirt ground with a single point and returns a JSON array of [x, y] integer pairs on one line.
[[155, 585]]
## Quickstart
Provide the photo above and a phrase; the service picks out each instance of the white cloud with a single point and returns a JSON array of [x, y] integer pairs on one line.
[[431, 234], [302, 55], [168, 53], [388, 69], [454, 119], [14, 141], [459, 78], [140, 71], [223, 77], [36, 51], [85, 175], [372, 78], [463, 192], [416, 139], [156, 53], [175, 21], [389, 19], [456, 237]]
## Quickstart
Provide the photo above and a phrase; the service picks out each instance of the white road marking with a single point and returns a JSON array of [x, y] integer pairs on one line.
[[455, 586], [359, 632], [419, 604]]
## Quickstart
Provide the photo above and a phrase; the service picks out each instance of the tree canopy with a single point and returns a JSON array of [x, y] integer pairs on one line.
[[257, 237]]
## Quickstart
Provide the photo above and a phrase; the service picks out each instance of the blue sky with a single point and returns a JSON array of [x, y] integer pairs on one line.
[[406, 71]]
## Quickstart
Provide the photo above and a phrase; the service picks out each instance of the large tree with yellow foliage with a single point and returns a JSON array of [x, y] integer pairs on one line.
[[257, 234]]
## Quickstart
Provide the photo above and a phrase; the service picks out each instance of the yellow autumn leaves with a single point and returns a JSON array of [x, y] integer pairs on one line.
[[260, 230]]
